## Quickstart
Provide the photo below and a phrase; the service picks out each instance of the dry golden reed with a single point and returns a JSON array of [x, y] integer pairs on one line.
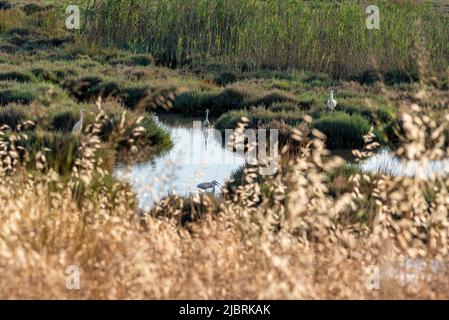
[[288, 237]]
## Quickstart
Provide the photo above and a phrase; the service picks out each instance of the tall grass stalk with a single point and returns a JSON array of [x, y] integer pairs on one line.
[[322, 36]]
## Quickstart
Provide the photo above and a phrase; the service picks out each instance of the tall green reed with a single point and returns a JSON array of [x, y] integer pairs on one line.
[[323, 36]]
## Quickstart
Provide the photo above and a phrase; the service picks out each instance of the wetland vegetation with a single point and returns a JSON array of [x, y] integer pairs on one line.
[[312, 228]]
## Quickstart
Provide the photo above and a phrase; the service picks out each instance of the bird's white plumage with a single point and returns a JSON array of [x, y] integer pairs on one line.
[[79, 125], [331, 103]]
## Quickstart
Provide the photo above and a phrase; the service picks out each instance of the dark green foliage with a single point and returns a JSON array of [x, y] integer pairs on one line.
[[192, 102], [11, 117], [64, 121], [197, 103], [367, 77], [16, 76], [28, 40], [8, 96], [394, 131], [64, 149], [285, 106], [226, 78], [271, 98], [343, 130], [5, 5], [398, 76], [44, 74], [376, 115], [8, 48], [258, 118], [227, 100], [81, 88], [135, 60], [131, 96], [307, 103], [31, 8], [318, 80]]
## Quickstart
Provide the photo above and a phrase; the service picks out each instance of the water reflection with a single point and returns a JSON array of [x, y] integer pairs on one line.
[[197, 156], [386, 163]]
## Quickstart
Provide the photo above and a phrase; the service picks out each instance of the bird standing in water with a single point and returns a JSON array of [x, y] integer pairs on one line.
[[331, 103], [79, 125], [209, 185], [206, 122]]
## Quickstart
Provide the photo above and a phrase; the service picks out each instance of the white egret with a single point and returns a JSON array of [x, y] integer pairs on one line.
[[331, 103], [79, 125]]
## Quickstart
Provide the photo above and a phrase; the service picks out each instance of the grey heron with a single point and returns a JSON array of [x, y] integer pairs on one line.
[[331, 103], [79, 125], [209, 185], [206, 122]]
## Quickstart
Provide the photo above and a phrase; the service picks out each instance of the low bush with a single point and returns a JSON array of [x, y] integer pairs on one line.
[[343, 131], [273, 97], [16, 95], [18, 76], [285, 106], [134, 60], [226, 78], [5, 5]]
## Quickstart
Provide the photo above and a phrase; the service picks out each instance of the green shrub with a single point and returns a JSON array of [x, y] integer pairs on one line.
[[11, 117], [15, 95], [227, 100], [398, 76], [31, 8], [226, 78], [5, 5], [321, 80], [375, 114], [285, 106], [131, 96], [198, 102], [64, 121], [64, 149], [81, 88], [135, 60], [192, 102], [273, 97], [258, 118], [307, 103], [18, 76], [367, 77], [343, 131], [44, 74]]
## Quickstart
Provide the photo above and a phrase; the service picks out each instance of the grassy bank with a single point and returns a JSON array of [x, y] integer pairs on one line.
[[45, 81]]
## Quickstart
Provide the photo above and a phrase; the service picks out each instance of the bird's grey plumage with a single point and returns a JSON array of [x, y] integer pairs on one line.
[[209, 185], [79, 125], [206, 122], [331, 103]]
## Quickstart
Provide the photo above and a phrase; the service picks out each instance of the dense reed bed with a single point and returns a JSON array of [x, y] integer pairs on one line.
[[322, 36]]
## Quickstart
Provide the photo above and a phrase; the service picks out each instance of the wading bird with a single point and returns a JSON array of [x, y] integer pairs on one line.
[[79, 125], [209, 185], [206, 122], [331, 103]]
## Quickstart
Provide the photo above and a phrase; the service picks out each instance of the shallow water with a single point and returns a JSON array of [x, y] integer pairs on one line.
[[197, 156], [386, 163]]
